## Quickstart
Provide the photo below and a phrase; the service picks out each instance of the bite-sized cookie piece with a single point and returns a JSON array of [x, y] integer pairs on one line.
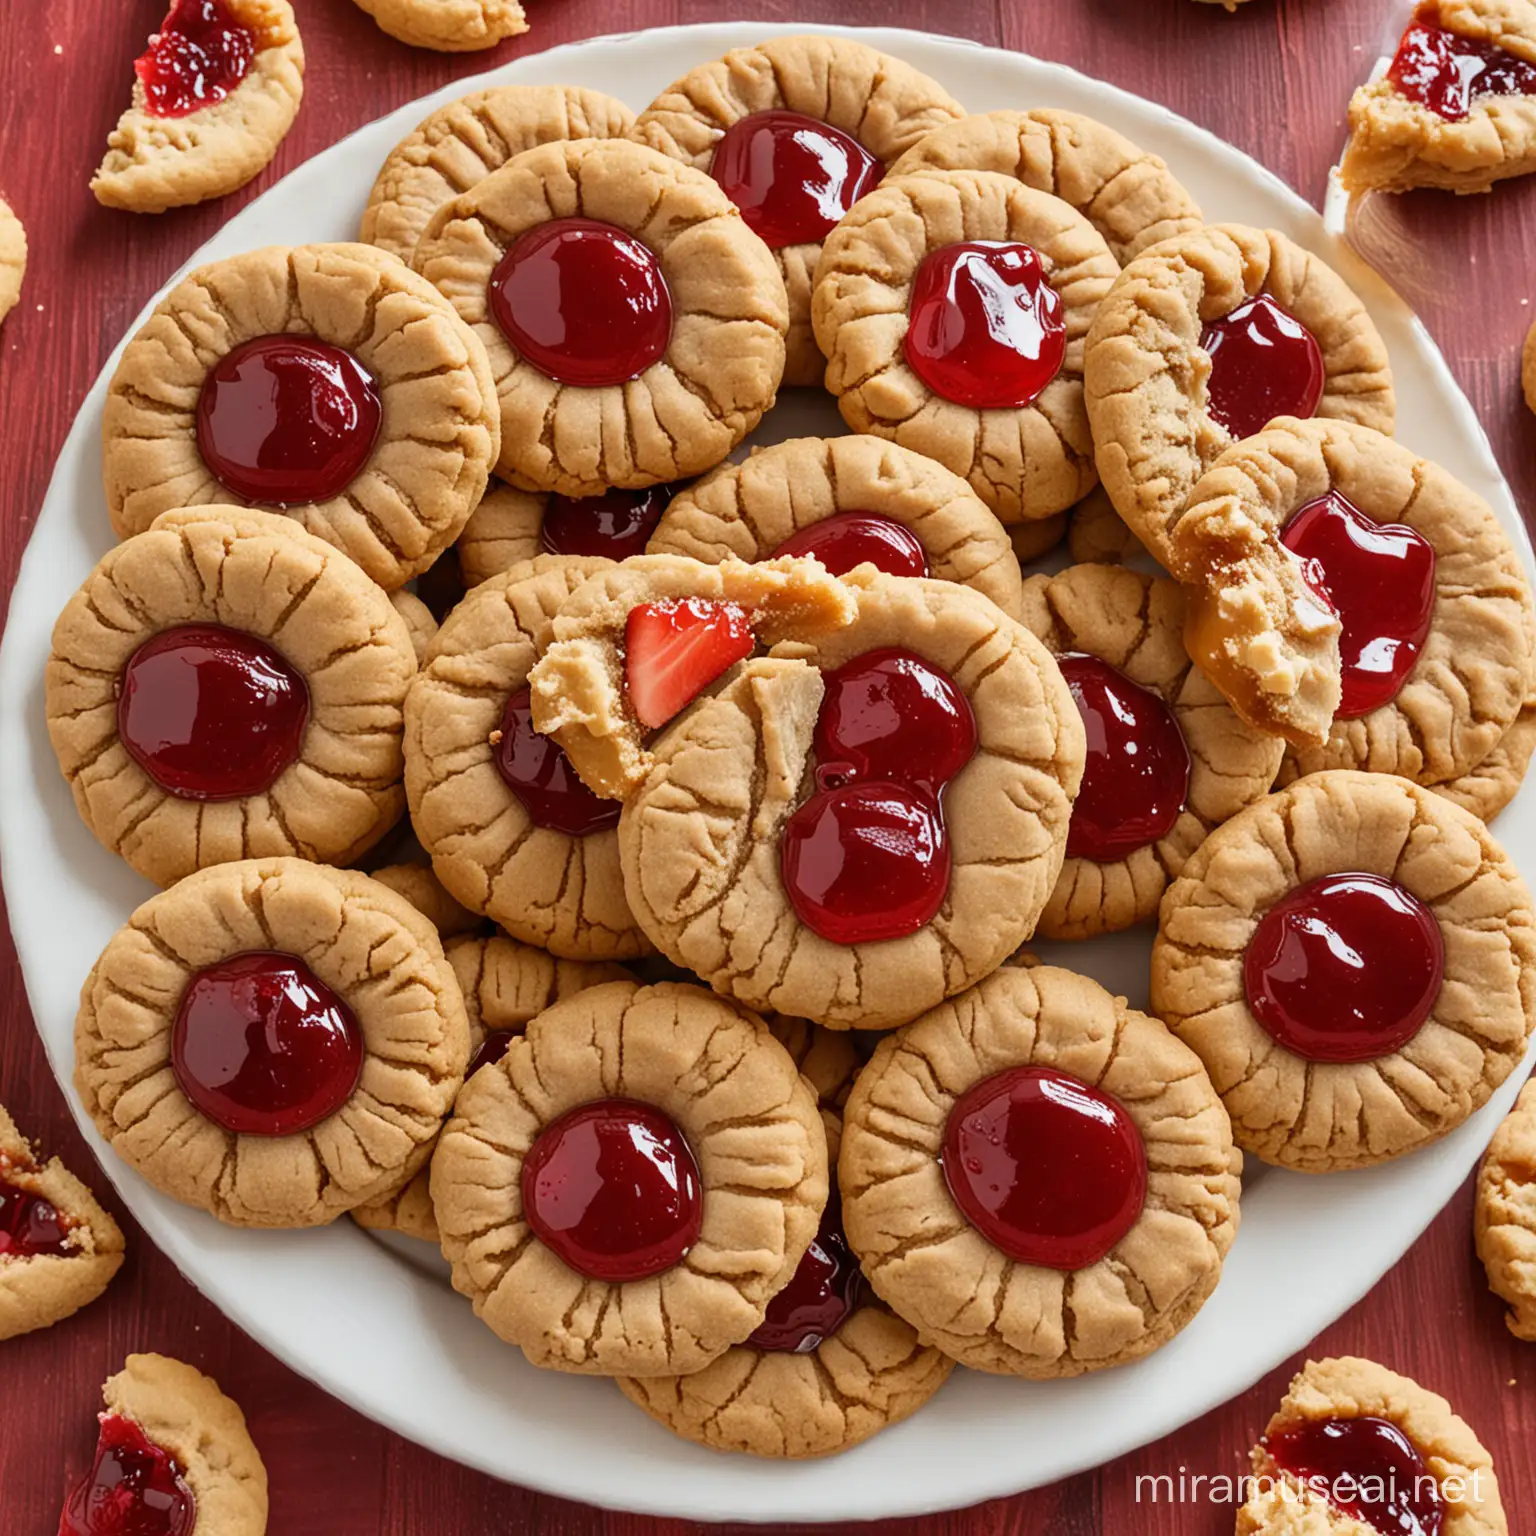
[[460, 144], [953, 308], [173, 1455], [1205, 339], [635, 325], [1031, 541], [1335, 575], [1098, 535], [271, 1040], [1039, 1179], [215, 93], [701, 1162], [1506, 1214], [1128, 195], [328, 382], [1456, 107], [13, 258], [1354, 960], [1355, 1449], [827, 1058], [226, 686], [845, 501], [58, 1248], [796, 130], [1487, 789], [430, 897], [859, 825], [448, 26], [1167, 758], [419, 622]]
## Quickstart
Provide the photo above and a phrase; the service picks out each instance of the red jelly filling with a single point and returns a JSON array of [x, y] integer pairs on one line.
[[985, 326], [1380, 580], [263, 1047], [859, 538], [492, 1049], [284, 420], [613, 1190], [584, 302], [1367, 1468], [199, 55], [613, 526], [1345, 968], [1046, 1168], [211, 713], [1264, 363], [1136, 777], [134, 1488], [821, 1296], [30, 1226], [537, 771], [793, 177], [1446, 72]]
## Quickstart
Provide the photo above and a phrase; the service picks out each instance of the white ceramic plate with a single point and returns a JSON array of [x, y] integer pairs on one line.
[[386, 1334]]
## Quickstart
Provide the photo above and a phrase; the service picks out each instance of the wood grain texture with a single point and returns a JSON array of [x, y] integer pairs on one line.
[[1273, 79]]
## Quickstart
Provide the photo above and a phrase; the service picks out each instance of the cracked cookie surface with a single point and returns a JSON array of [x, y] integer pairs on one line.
[[1098, 535], [1506, 1214], [448, 26], [13, 258], [504, 530]]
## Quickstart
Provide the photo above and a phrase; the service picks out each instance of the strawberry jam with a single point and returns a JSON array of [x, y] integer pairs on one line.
[[535, 768], [1264, 363], [1345, 968], [1367, 1468], [1045, 1167], [849, 539], [199, 55], [985, 327], [1447, 73], [211, 713], [613, 526], [824, 1292], [30, 1225], [134, 1488], [613, 1190]]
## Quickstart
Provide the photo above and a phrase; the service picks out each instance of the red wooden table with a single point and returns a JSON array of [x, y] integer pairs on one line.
[[1273, 79]]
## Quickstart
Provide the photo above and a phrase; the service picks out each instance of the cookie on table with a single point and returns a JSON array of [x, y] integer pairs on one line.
[[1204, 340], [448, 26], [193, 1462], [1354, 1447], [710, 1165], [59, 1249], [430, 897], [1040, 1180], [272, 1041], [226, 686], [460, 144], [1352, 959], [13, 258], [1456, 108], [796, 130], [634, 323], [845, 500], [900, 309], [328, 382], [1506, 1214], [216, 92], [1168, 760]]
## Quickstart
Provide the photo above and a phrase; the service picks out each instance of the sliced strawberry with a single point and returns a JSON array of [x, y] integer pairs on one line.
[[675, 650]]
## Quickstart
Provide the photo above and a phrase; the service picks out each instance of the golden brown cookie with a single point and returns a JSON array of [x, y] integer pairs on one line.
[[1352, 959], [448, 26], [898, 310], [218, 385], [668, 346], [360, 1041], [1031, 541], [1098, 535], [1393, 1439], [1506, 1214], [1489, 787], [13, 258], [1291, 337], [845, 500], [796, 130], [59, 1249], [1167, 758], [1037, 1178], [430, 897], [213, 98], [418, 620], [502, 531], [827, 1059], [226, 686], [712, 1181]]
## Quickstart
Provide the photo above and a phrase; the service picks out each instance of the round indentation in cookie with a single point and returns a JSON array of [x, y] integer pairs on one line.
[[847, 539], [134, 1488], [196, 57], [538, 772], [1447, 71], [30, 1224], [612, 526], [1371, 1471], [822, 1295], [1264, 363]]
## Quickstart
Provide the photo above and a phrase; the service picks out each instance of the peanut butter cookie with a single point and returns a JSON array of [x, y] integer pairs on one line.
[[1098, 535], [448, 26], [1506, 1214], [13, 258], [430, 897], [1032, 541], [418, 618], [1487, 789], [826, 1058]]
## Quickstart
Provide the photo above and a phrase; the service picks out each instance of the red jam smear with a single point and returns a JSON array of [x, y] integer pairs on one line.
[[1367, 1469], [612, 526], [1045, 1167], [284, 420], [850, 539], [1345, 968], [263, 1047], [1380, 580], [584, 302], [199, 55], [613, 1190], [535, 768], [823, 1293], [492, 1049], [1446, 72], [1264, 363], [134, 1488], [31, 1226], [211, 713], [793, 177], [1136, 777], [985, 327]]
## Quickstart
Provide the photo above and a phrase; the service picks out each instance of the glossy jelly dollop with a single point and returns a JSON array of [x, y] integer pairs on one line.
[[850, 539], [199, 55], [1447, 73], [612, 526], [1368, 1469], [535, 768], [1264, 363], [31, 1226], [824, 1292], [134, 1488]]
